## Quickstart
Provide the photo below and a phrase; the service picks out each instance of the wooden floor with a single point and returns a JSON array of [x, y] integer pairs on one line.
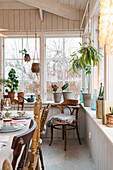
[[76, 157]]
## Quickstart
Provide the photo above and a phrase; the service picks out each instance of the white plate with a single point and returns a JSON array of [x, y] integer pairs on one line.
[[21, 117], [10, 129]]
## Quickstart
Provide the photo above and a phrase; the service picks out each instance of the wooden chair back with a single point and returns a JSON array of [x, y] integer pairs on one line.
[[20, 146], [71, 104], [44, 118], [7, 165], [34, 154], [17, 102]]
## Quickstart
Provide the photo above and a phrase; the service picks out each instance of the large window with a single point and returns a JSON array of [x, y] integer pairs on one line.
[[58, 51], [12, 59], [57, 59]]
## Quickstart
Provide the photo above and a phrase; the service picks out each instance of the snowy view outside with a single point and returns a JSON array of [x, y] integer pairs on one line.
[[27, 79], [58, 52]]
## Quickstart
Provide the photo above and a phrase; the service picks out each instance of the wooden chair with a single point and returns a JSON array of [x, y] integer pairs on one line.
[[20, 146], [43, 130], [7, 165], [73, 107], [35, 146], [18, 103], [43, 119]]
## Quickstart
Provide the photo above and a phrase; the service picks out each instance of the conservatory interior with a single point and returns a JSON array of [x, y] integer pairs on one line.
[[56, 84]]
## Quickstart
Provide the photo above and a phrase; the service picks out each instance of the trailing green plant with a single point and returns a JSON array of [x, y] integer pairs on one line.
[[85, 56], [101, 92], [23, 52], [12, 82], [54, 87], [64, 86], [111, 110]]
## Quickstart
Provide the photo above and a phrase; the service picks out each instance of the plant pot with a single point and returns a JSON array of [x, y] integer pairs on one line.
[[19, 97], [57, 97], [27, 57], [35, 67], [109, 118], [87, 99], [67, 95], [11, 95], [99, 109]]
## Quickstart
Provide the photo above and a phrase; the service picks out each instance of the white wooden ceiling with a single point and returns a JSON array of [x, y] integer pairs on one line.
[[77, 4], [24, 4]]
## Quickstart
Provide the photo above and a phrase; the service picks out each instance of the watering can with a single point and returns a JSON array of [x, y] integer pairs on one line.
[[30, 99]]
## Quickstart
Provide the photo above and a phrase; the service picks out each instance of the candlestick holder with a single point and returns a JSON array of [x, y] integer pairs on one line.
[[7, 105]]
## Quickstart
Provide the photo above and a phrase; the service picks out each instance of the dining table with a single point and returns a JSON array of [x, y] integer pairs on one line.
[[6, 136]]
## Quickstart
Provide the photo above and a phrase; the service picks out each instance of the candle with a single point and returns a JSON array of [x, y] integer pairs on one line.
[[7, 102]]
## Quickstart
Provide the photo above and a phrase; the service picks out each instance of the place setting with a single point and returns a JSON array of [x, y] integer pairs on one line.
[[12, 121]]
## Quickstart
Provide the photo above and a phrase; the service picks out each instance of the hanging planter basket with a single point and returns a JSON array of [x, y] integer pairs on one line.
[[27, 58], [35, 67]]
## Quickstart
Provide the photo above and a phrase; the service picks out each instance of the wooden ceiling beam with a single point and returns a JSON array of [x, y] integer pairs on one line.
[[54, 7], [41, 13]]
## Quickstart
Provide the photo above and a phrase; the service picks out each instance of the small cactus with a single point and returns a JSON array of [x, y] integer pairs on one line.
[[111, 110], [65, 86], [54, 87], [101, 93]]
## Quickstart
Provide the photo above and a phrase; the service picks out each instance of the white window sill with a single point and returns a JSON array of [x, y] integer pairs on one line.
[[108, 131]]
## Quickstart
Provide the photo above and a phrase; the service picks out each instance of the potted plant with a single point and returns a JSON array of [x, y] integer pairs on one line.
[[57, 95], [85, 56], [99, 102], [66, 94], [11, 84], [26, 55], [109, 117]]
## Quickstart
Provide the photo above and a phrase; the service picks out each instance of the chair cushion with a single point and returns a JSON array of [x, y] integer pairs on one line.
[[61, 118]]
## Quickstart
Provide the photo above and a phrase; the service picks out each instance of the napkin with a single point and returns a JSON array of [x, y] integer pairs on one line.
[[18, 121], [23, 122]]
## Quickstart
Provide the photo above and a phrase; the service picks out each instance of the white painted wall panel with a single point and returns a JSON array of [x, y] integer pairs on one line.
[[29, 20], [101, 149]]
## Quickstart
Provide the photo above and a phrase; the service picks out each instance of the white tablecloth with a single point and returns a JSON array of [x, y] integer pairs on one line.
[[6, 151]]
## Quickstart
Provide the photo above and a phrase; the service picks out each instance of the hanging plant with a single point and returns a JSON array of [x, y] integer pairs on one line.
[[35, 66], [26, 56], [86, 56]]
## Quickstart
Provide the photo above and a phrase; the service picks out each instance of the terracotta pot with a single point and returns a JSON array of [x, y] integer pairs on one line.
[[87, 99], [35, 67], [19, 97], [109, 118], [11, 95]]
